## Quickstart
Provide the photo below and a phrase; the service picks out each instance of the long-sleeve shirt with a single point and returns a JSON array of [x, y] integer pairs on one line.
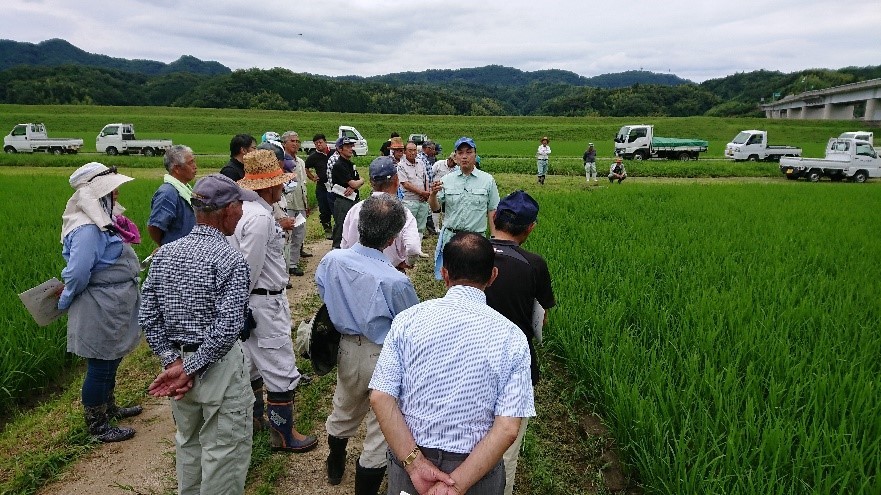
[[406, 244], [260, 239], [543, 152], [196, 293], [87, 249], [590, 156], [363, 291], [454, 364]]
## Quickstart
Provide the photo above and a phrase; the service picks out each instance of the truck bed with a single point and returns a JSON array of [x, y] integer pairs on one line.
[[678, 143]]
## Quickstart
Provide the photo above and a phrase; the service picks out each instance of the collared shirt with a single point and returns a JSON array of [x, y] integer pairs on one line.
[[467, 199], [170, 213], [543, 152], [414, 174], [295, 190], [440, 169], [363, 291], [86, 249], [196, 293], [331, 161], [318, 161], [406, 244], [428, 163], [454, 364], [343, 172], [260, 239]]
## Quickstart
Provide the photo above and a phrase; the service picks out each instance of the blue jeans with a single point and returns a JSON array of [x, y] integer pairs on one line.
[[99, 382], [542, 167]]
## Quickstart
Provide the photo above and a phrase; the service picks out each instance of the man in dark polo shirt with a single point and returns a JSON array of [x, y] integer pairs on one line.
[[318, 161], [345, 184], [523, 280], [239, 146]]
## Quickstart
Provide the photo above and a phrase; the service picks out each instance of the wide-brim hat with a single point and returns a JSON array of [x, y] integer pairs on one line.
[[396, 143], [262, 171], [97, 178], [543, 139]]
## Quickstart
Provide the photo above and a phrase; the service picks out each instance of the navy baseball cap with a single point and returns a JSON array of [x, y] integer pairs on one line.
[[344, 141], [216, 191], [464, 140], [382, 168], [517, 208]]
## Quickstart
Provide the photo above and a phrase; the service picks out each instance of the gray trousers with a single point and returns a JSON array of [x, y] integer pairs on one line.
[[493, 483], [214, 422], [294, 240]]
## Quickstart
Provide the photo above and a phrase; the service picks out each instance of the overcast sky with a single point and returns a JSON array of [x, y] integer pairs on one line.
[[696, 40]]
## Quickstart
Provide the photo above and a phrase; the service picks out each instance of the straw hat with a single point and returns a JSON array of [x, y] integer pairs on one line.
[[544, 138], [262, 171], [396, 143]]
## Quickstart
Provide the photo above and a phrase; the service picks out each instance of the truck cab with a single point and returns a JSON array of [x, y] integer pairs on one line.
[[631, 139], [861, 135]]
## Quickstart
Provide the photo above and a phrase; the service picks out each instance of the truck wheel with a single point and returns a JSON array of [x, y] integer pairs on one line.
[[753, 158], [684, 156], [57, 151], [638, 156], [860, 176], [149, 152], [814, 175], [112, 151], [10, 149]]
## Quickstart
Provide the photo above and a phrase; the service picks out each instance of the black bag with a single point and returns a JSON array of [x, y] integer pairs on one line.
[[324, 344], [250, 324]]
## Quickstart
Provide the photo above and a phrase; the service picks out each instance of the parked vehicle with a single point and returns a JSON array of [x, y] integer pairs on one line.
[[846, 158], [863, 135], [115, 139], [638, 142], [31, 137], [343, 131], [753, 145]]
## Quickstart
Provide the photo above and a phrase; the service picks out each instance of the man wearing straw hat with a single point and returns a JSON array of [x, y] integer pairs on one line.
[[261, 240]]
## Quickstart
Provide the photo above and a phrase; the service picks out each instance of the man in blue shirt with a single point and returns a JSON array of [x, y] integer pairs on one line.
[[452, 382], [363, 293], [171, 214]]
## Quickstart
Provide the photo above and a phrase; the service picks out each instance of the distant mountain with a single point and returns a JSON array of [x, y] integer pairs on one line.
[[56, 52], [498, 75]]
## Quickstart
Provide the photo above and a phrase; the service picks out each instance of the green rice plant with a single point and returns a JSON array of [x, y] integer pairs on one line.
[[728, 332]]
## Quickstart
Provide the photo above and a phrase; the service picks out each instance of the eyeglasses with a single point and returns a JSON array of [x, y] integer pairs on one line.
[[111, 170]]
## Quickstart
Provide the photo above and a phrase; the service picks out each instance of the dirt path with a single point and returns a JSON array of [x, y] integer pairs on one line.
[[145, 464]]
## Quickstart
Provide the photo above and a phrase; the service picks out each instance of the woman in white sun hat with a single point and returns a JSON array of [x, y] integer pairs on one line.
[[100, 294]]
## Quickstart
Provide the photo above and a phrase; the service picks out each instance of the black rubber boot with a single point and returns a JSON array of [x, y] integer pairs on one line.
[[281, 429], [99, 427], [259, 405], [116, 412], [336, 459], [367, 480]]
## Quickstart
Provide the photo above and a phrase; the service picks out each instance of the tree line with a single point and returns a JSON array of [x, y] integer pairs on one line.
[[282, 89]]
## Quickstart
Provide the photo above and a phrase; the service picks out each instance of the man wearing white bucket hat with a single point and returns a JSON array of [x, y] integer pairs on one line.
[[100, 293]]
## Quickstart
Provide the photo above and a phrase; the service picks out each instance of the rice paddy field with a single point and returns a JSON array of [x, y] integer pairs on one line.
[[726, 329]]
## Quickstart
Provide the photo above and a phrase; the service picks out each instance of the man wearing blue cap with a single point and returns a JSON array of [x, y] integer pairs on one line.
[[192, 312], [469, 198], [522, 289]]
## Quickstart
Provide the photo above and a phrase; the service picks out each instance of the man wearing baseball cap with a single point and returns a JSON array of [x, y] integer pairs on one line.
[[192, 313], [469, 198], [590, 162], [523, 282], [345, 183], [406, 246]]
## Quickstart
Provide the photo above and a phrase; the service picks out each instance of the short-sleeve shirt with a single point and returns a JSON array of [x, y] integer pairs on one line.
[[414, 173], [467, 199], [343, 171], [523, 278], [318, 162], [170, 213]]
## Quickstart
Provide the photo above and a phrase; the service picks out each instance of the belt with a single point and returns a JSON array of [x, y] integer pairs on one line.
[[438, 454], [266, 292], [186, 347], [456, 231]]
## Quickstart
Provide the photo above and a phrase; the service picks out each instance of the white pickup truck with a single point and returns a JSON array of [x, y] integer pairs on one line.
[[31, 137], [640, 143], [863, 135], [753, 145], [344, 131], [847, 158], [120, 138]]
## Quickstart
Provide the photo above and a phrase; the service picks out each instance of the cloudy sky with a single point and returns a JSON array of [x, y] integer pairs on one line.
[[697, 40]]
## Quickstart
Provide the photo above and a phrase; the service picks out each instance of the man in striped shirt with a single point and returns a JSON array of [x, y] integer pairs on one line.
[[452, 382]]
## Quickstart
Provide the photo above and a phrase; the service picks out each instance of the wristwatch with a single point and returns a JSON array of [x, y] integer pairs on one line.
[[411, 457]]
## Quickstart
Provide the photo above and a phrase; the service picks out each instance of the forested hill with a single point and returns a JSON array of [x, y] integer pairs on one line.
[[56, 72], [56, 52], [498, 75]]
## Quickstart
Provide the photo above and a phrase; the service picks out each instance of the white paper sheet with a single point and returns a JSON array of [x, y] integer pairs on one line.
[[42, 303], [300, 219], [341, 191]]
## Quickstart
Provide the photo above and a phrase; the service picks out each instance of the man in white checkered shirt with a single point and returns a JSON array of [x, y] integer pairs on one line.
[[452, 383]]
